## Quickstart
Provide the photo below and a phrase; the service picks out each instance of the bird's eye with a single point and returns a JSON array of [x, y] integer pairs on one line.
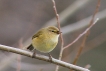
[[52, 31]]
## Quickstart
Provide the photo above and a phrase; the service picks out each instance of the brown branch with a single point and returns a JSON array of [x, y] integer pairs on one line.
[[96, 11], [61, 37], [86, 34], [58, 22], [41, 57], [86, 31], [91, 23], [82, 34], [69, 11]]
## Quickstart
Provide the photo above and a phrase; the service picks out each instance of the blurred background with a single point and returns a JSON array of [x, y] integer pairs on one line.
[[20, 19]]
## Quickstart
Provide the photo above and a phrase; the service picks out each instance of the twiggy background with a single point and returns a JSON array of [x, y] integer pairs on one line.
[[22, 18]]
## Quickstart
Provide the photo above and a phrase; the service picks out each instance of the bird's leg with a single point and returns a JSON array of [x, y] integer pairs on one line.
[[34, 53], [50, 57]]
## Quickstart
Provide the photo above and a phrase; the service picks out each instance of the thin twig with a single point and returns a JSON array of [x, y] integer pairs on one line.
[[58, 22], [69, 11], [91, 22], [86, 34], [81, 24], [61, 37], [82, 34], [41, 57], [96, 11]]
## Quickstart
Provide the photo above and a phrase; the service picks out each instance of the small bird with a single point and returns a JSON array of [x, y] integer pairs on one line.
[[45, 40]]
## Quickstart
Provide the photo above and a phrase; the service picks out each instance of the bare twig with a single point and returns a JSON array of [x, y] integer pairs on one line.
[[81, 24], [41, 57], [90, 44], [91, 23], [61, 37], [96, 11], [58, 22], [69, 11], [82, 34], [86, 34], [62, 49]]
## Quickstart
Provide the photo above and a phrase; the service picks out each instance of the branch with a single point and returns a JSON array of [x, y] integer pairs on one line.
[[61, 37], [41, 57], [58, 22], [81, 24], [82, 34], [86, 34], [69, 11]]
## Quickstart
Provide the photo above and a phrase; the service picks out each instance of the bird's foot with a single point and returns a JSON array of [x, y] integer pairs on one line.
[[50, 57], [34, 53]]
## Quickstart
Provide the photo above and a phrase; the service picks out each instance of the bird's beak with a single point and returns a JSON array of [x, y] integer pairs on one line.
[[59, 32]]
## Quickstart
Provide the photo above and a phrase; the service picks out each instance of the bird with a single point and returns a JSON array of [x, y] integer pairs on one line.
[[45, 40]]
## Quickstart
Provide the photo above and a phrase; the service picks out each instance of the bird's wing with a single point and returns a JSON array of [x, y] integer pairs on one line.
[[37, 34]]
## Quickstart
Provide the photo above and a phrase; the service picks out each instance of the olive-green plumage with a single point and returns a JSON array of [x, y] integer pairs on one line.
[[46, 39]]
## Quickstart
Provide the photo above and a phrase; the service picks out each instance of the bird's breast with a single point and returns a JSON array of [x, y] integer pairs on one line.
[[46, 44]]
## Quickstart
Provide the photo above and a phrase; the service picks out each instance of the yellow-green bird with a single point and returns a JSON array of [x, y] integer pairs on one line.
[[45, 40]]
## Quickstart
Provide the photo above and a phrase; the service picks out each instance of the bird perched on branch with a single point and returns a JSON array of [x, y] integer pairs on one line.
[[45, 40]]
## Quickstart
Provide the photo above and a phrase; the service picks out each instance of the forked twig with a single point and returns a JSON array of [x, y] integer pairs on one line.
[[86, 34], [91, 22], [62, 49], [81, 34]]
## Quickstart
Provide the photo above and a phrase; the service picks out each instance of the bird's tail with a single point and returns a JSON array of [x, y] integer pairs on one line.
[[30, 47]]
